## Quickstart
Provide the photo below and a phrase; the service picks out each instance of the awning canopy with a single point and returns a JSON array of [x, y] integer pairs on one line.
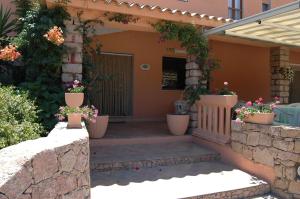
[[280, 25]]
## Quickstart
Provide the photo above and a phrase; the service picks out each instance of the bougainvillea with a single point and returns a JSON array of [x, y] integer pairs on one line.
[[9, 53], [55, 35]]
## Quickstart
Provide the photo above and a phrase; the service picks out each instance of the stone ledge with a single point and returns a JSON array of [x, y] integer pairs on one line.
[[36, 168], [274, 146]]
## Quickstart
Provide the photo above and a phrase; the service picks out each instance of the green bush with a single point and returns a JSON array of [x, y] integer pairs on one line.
[[18, 117]]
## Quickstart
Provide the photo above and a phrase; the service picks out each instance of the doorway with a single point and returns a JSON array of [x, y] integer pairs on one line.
[[112, 95]]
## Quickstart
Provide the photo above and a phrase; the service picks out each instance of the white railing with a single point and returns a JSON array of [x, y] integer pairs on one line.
[[214, 117]]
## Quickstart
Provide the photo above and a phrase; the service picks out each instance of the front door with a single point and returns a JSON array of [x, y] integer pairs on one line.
[[113, 94], [295, 86]]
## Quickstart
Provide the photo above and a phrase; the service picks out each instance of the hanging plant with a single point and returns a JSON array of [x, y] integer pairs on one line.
[[287, 72], [121, 18]]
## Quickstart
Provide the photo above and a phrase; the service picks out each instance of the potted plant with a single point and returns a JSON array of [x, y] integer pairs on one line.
[[178, 122], [257, 112], [74, 96], [224, 97], [98, 128], [75, 114]]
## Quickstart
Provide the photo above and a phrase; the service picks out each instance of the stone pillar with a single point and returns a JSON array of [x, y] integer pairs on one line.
[[193, 75], [280, 86], [72, 62]]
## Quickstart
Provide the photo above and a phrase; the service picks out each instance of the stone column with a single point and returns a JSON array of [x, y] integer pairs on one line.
[[280, 86], [193, 75], [72, 63]]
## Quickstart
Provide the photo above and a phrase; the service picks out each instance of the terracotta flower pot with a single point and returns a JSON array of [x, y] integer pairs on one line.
[[260, 118], [178, 124], [74, 121], [220, 100], [74, 99], [98, 129]]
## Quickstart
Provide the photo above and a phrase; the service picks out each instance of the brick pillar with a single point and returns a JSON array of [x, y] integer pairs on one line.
[[72, 63], [193, 75], [280, 86]]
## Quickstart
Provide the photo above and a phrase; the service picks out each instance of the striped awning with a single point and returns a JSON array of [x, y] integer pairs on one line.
[[280, 25]]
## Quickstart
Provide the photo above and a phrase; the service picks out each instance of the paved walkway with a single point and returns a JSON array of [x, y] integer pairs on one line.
[[137, 130]]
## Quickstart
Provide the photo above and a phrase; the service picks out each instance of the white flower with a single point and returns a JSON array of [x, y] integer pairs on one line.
[[225, 83]]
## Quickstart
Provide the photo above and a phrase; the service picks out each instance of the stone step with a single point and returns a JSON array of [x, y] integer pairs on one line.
[[128, 157], [213, 180]]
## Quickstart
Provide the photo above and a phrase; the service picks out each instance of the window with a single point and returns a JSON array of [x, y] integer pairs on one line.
[[235, 9], [266, 7], [173, 73]]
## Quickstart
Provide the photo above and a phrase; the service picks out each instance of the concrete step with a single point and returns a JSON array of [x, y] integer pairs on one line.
[[213, 180], [136, 156]]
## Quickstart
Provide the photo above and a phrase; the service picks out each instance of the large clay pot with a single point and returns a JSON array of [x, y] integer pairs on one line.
[[74, 99], [74, 121], [260, 118], [98, 129], [178, 124]]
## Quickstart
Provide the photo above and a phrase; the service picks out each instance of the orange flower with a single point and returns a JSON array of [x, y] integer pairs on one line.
[[55, 35], [9, 53]]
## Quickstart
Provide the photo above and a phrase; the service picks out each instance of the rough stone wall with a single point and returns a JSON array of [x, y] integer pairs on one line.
[[193, 75], [274, 146], [72, 63], [279, 59], [47, 168]]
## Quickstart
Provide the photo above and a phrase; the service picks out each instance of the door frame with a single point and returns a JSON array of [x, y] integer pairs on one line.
[[130, 116]]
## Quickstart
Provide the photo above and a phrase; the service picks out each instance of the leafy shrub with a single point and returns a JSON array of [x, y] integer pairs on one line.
[[49, 96], [18, 117]]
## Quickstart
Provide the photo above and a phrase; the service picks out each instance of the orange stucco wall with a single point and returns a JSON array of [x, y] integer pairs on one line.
[[246, 68], [295, 57], [149, 100]]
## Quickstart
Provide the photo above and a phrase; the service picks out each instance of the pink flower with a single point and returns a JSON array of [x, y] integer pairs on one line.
[[273, 106], [238, 111], [225, 83], [239, 120], [276, 98], [260, 99], [249, 103]]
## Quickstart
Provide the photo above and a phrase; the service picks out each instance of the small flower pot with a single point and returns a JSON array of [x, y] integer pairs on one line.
[[178, 124], [74, 121], [98, 129], [74, 99], [260, 118]]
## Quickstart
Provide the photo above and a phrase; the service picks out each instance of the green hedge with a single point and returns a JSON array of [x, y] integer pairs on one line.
[[18, 117]]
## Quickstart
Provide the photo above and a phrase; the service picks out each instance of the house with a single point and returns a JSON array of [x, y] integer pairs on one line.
[[142, 67]]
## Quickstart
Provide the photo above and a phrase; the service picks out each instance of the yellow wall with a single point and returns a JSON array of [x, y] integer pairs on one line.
[[149, 101]]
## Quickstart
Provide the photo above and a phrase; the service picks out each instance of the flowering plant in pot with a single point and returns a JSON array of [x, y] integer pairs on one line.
[[74, 95], [257, 112], [75, 114]]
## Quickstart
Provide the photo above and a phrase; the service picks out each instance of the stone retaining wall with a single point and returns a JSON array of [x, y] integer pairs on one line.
[[274, 146], [47, 168]]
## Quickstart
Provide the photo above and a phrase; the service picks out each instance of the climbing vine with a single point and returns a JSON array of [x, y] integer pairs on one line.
[[121, 18], [196, 45]]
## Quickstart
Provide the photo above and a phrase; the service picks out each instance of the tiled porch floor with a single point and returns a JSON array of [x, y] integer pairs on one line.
[[137, 130]]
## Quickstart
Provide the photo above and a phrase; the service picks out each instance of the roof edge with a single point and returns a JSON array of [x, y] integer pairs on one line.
[[267, 14]]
